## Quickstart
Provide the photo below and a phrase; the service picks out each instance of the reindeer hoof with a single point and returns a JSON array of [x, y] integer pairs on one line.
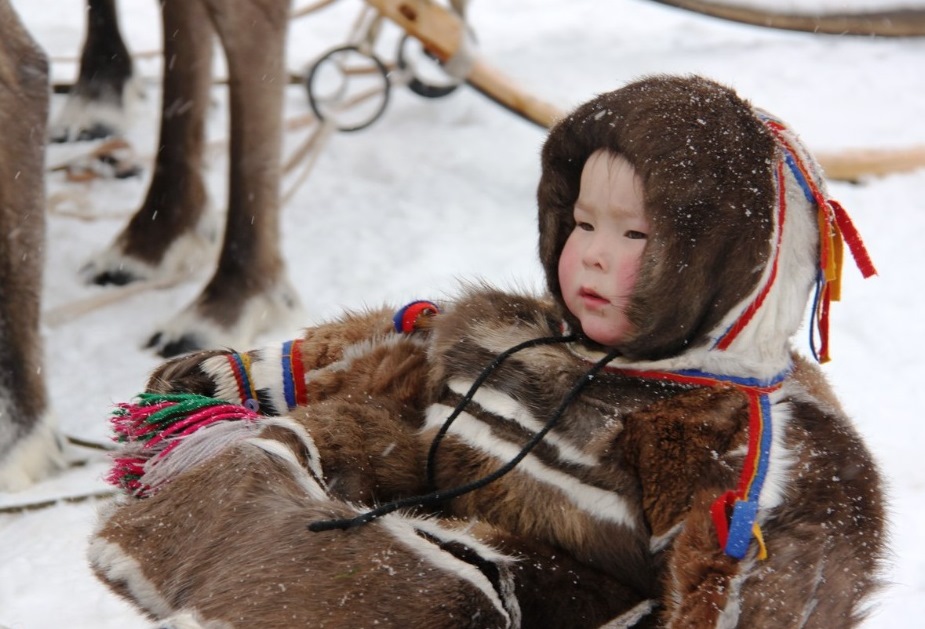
[[235, 320], [183, 345], [114, 278], [115, 269], [95, 131]]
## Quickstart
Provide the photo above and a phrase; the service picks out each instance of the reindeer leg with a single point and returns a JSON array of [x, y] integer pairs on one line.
[[29, 444], [167, 235], [249, 293], [96, 105]]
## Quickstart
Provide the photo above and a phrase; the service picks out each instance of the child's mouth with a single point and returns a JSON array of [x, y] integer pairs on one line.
[[591, 298]]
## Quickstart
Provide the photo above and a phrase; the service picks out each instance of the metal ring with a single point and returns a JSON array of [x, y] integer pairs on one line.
[[417, 85], [317, 103]]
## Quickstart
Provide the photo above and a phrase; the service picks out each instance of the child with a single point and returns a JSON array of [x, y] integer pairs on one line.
[[639, 448]]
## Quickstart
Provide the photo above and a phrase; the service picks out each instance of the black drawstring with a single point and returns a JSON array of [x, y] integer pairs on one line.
[[437, 497], [487, 371]]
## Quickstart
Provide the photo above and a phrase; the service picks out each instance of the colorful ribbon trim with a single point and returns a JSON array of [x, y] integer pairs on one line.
[[835, 231], [293, 374], [407, 317], [735, 512], [240, 367]]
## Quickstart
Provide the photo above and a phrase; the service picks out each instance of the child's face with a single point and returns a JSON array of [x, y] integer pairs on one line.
[[601, 258]]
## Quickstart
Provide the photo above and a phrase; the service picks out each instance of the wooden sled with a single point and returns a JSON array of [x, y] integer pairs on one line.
[[441, 32]]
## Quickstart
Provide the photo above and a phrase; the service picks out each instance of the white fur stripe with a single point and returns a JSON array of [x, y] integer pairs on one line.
[[195, 449], [776, 481], [117, 567], [314, 456], [508, 408], [403, 529], [267, 376], [506, 580], [630, 618], [729, 616], [602, 504], [659, 542], [287, 456]]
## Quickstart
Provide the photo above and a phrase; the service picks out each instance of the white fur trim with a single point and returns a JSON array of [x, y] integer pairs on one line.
[[403, 530], [279, 450], [630, 618], [729, 616], [506, 407], [196, 448], [117, 567], [659, 542], [774, 490], [267, 376], [812, 600], [507, 587], [602, 504], [189, 619], [314, 456]]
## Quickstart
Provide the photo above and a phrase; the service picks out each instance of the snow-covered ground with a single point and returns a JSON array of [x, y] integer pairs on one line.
[[444, 189]]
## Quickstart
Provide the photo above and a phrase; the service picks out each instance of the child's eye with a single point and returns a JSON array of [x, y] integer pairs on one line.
[[635, 235], [588, 227]]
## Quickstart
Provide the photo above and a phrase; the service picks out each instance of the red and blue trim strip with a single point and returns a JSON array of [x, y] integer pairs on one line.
[[240, 369], [293, 374], [735, 512]]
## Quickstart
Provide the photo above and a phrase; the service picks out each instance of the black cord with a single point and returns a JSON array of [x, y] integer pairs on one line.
[[437, 497], [487, 371]]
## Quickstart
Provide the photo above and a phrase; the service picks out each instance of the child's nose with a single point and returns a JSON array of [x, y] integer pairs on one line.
[[597, 255]]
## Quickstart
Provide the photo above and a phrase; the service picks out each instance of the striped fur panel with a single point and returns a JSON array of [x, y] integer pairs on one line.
[[544, 498], [597, 503], [459, 554], [505, 407]]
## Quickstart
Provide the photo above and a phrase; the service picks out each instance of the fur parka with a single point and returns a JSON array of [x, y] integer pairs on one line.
[[491, 467]]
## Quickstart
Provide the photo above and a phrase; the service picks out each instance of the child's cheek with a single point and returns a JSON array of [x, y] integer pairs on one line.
[[566, 266]]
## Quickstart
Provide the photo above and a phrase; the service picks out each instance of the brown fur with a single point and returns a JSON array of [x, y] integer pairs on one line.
[[669, 450], [681, 438], [254, 517], [695, 192], [623, 482], [823, 542], [23, 112]]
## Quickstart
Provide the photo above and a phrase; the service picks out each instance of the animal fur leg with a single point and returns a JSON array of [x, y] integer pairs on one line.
[[29, 443], [249, 293], [170, 233], [98, 104]]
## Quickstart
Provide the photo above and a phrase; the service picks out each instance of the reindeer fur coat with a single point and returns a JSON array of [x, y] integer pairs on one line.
[[610, 519]]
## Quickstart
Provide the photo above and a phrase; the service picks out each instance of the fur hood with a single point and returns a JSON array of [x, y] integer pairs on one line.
[[712, 168]]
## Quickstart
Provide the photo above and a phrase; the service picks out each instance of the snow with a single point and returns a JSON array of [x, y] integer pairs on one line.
[[439, 190]]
